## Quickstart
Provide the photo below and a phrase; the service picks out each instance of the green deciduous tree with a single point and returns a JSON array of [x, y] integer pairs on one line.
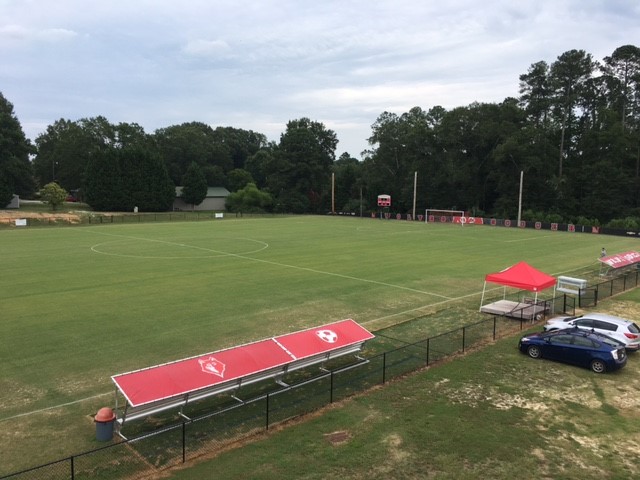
[[348, 182], [249, 200], [6, 192], [194, 185], [53, 194], [238, 178], [300, 170], [16, 172]]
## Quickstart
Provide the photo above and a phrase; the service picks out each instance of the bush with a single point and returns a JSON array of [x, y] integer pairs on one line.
[[249, 200], [627, 223]]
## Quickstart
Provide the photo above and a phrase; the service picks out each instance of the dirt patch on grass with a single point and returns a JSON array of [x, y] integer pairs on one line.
[[338, 438], [22, 395]]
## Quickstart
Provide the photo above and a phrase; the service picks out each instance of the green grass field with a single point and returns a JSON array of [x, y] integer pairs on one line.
[[79, 304]]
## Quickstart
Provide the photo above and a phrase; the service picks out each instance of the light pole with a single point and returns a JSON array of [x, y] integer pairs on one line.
[[415, 185], [520, 197], [520, 192]]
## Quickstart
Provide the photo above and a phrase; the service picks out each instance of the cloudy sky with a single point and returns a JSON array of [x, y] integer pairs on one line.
[[259, 63]]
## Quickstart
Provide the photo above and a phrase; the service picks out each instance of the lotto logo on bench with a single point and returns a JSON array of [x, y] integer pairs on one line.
[[212, 366], [328, 336]]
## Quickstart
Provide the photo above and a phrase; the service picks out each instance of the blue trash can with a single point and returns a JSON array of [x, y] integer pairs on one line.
[[105, 418]]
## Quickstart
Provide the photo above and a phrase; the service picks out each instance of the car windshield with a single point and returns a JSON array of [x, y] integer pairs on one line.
[[633, 328]]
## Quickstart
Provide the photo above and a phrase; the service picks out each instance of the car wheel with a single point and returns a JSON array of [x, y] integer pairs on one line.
[[534, 351], [598, 366]]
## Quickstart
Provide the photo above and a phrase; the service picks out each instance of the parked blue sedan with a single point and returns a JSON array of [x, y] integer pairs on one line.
[[578, 347]]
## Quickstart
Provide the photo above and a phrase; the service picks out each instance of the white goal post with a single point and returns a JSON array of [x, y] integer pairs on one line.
[[436, 215]]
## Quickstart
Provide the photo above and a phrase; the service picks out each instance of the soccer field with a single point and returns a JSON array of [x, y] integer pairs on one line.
[[79, 304]]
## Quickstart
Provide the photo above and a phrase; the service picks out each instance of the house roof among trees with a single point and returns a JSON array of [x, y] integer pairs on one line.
[[212, 192]]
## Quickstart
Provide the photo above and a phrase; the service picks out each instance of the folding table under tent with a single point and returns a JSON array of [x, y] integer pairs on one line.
[[524, 277], [175, 384]]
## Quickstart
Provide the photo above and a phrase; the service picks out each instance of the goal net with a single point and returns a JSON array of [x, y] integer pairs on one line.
[[442, 216]]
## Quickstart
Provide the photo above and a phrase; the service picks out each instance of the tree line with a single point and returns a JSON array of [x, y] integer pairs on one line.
[[573, 134]]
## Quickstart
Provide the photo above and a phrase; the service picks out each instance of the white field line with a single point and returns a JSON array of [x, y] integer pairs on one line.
[[526, 239], [56, 406], [447, 300], [278, 264]]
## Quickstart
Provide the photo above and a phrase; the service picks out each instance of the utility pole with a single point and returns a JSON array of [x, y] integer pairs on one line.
[[520, 198], [415, 184]]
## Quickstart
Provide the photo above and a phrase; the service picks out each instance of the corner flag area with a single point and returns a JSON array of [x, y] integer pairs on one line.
[[175, 384]]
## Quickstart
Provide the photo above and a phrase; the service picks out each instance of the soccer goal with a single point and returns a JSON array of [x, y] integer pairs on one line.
[[442, 216]]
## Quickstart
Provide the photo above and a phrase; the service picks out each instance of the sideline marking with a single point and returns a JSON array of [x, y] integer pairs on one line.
[[55, 406]]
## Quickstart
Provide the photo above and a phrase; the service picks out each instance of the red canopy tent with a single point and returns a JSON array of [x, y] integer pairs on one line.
[[522, 276]]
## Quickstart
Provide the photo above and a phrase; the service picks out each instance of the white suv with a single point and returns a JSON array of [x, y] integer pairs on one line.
[[623, 330]]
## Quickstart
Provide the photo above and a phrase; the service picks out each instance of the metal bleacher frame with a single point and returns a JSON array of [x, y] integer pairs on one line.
[[129, 412]]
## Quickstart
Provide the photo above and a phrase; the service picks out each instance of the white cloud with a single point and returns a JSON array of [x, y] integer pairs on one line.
[[206, 48], [261, 63], [21, 33]]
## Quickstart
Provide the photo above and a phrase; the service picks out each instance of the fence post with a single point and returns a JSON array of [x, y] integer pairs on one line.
[[72, 468], [464, 334], [331, 389], [428, 345], [184, 441], [384, 367], [495, 321], [267, 413]]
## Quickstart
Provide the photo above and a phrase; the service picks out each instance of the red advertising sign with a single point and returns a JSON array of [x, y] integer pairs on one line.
[[469, 220], [621, 259]]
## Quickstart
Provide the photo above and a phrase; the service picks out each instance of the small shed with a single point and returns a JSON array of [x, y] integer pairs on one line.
[[214, 201], [14, 203]]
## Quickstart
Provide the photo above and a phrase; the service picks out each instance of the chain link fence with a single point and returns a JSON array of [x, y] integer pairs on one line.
[[590, 296], [208, 433], [50, 219]]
